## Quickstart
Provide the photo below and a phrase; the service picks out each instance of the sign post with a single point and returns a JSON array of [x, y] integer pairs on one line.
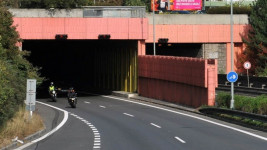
[[247, 65], [232, 77], [31, 95]]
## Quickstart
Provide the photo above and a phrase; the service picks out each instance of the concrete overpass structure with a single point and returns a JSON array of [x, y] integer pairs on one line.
[[131, 25]]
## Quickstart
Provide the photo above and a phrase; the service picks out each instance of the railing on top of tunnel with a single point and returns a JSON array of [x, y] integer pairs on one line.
[[114, 11]]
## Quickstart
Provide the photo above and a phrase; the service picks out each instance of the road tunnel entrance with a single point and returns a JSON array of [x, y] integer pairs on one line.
[[176, 49], [86, 64]]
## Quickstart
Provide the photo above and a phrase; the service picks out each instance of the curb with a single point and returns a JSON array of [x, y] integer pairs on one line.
[[25, 140], [135, 96]]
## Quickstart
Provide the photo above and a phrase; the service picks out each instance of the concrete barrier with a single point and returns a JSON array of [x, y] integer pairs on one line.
[[187, 81]]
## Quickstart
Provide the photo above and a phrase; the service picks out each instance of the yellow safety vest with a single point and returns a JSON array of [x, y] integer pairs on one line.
[[51, 88]]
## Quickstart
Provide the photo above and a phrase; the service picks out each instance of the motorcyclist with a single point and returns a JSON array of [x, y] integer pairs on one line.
[[71, 93], [51, 87]]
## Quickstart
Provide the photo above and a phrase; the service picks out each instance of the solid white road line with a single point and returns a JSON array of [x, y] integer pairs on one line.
[[66, 115], [195, 117], [102, 106], [155, 125], [182, 141], [128, 115]]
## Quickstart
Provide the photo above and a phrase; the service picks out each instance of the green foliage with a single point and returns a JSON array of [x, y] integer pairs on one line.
[[246, 104], [53, 3], [223, 100], [134, 3], [256, 105], [263, 73], [74, 3], [14, 68], [227, 10], [262, 104], [257, 37]]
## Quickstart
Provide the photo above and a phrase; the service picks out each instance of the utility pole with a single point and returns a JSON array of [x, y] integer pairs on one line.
[[232, 57], [154, 44]]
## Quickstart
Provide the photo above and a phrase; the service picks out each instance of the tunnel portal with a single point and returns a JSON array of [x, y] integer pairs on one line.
[[86, 64]]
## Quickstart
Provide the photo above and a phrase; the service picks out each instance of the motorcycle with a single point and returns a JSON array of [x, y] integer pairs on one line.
[[53, 95], [73, 100]]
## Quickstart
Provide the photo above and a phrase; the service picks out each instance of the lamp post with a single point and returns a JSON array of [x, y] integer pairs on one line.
[[154, 44], [232, 57]]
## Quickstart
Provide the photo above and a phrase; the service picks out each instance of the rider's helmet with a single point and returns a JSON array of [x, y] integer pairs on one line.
[[71, 89], [51, 83]]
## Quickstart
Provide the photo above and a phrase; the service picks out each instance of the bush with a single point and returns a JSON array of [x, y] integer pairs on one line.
[[227, 10], [223, 100], [243, 103], [246, 104], [262, 104]]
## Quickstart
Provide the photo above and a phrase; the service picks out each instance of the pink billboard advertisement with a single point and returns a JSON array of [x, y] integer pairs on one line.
[[187, 4], [170, 5]]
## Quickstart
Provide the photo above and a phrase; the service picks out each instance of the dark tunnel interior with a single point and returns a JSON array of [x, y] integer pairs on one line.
[[71, 63], [176, 49]]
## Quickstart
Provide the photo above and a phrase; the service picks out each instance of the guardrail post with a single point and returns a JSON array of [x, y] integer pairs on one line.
[[263, 85], [250, 85]]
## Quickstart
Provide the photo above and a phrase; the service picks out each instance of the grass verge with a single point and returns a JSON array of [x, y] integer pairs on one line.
[[20, 126]]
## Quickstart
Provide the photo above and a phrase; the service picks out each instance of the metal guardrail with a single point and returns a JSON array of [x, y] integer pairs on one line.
[[114, 12], [262, 118], [242, 90], [213, 112]]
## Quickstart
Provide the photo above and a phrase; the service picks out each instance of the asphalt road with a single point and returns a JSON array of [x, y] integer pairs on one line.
[[112, 123]]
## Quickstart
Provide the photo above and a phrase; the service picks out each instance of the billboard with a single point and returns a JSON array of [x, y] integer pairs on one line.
[[172, 5]]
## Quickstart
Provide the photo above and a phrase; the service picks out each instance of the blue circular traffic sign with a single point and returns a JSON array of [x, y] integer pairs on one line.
[[232, 76]]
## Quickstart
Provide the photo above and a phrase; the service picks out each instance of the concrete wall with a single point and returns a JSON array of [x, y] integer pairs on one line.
[[216, 51], [194, 19], [178, 28], [82, 28], [188, 81], [160, 19], [44, 13]]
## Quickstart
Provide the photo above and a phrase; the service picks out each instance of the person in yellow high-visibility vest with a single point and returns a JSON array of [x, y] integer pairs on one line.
[[51, 87]]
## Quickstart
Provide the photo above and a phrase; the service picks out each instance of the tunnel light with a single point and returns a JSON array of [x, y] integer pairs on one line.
[[61, 36], [104, 36], [163, 40]]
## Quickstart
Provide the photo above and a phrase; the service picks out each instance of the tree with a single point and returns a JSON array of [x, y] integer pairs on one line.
[[61, 4], [14, 68], [256, 50]]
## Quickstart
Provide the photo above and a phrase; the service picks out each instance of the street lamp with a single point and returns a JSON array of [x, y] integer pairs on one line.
[[232, 57]]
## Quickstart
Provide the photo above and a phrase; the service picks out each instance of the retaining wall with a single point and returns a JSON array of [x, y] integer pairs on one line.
[[187, 81]]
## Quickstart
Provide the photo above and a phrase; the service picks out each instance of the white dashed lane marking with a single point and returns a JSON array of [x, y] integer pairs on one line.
[[128, 115], [97, 140], [87, 102], [155, 125], [177, 138], [102, 106]]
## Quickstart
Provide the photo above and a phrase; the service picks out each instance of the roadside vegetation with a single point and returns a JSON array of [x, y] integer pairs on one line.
[[256, 41], [237, 9], [257, 105], [73, 3], [20, 126], [14, 71]]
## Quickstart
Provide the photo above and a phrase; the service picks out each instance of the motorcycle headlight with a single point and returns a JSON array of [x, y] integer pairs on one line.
[[54, 92]]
